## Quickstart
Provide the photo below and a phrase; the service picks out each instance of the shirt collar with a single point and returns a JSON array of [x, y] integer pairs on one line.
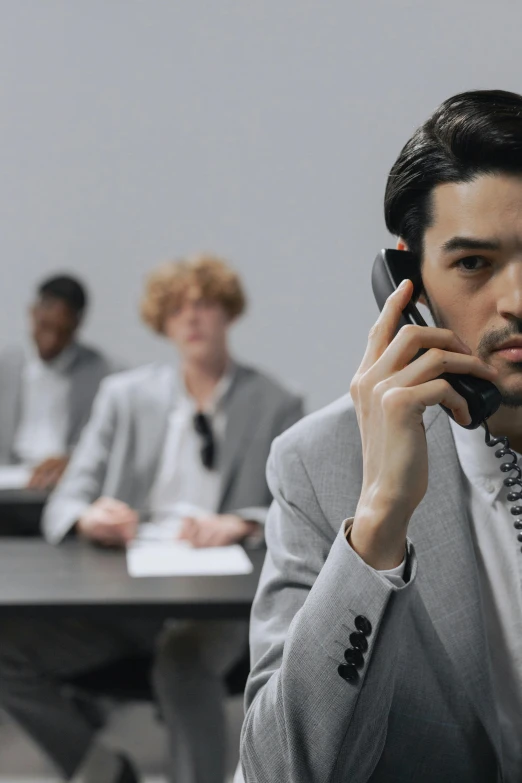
[[61, 364], [220, 392], [478, 461]]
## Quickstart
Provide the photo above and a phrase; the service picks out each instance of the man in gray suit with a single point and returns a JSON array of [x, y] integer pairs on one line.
[[46, 393], [386, 635], [161, 445]]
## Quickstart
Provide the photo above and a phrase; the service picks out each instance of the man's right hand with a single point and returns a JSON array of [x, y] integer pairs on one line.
[[109, 522], [390, 392]]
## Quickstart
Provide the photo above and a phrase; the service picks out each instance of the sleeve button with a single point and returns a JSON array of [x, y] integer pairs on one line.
[[363, 624], [359, 641], [348, 672], [354, 657]]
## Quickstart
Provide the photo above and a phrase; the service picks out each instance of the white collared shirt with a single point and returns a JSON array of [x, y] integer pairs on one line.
[[500, 572], [44, 419], [182, 481]]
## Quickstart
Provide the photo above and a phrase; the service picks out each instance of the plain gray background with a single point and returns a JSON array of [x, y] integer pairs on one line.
[[133, 131]]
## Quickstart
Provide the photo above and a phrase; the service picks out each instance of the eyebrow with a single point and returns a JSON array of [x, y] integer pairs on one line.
[[467, 243]]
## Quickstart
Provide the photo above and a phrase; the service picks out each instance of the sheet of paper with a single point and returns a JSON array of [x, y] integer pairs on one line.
[[178, 558], [167, 527], [159, 531], [14, 476]]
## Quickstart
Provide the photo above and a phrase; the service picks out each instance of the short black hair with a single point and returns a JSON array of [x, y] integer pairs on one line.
[[473, 133], [67, 289]]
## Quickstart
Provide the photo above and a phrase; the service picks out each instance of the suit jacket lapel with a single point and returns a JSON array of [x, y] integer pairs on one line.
[[240, 404], [447, 578], [79, 394], [151, 409]]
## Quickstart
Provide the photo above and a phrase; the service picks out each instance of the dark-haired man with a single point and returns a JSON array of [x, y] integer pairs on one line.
[[46, 391], [387, 632]]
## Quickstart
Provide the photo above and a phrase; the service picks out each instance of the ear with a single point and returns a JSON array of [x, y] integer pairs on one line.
[[401, 245]]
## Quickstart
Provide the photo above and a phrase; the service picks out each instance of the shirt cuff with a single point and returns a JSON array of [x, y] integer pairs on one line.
[[393, 575]]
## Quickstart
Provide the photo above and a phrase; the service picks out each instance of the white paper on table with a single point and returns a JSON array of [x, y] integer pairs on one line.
[[14, 476], [179, 558], [159, 531], [168, 527]]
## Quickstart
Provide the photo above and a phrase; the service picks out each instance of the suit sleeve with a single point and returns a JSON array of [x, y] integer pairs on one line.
[[289, 415], [84, 477], [304, 722]]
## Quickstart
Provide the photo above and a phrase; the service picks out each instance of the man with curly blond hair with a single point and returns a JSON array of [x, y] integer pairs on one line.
[[185, 448]]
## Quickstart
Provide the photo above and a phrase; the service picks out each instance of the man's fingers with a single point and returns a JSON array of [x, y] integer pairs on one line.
[[118, 512], [38, 478], [435, 392], [383, 331], [53, 477], [435, 362], [111, 504], [201, 538], [410, 340], [109, 533], [188, 529]]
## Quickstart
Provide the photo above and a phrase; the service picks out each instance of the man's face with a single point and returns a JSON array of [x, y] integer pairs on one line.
[[472, 271], [53, 325], [198, 327]]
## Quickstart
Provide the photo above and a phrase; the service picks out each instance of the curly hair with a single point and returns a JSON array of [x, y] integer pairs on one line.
[[167, 285]]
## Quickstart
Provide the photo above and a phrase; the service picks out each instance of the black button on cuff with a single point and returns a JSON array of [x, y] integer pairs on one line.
[[348, 672], [363, 624], [359, 641], [354, 657]]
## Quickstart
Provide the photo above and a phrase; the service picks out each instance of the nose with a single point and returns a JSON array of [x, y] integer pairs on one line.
[[509, 302], [191, 311]]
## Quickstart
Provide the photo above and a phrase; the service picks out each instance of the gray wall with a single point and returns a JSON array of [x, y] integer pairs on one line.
[[135, 130]]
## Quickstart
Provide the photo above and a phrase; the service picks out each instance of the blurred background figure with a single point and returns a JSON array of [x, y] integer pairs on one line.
[[48, 386], [185, 449]]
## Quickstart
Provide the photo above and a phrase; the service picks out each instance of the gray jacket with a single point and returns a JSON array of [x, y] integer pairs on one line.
[[119, 452], [422, 708], [86, 372]]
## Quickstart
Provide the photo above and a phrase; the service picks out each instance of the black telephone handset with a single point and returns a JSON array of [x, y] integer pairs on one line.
[[390, 268]]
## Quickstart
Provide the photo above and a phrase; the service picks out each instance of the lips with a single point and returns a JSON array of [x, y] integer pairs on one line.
[[511, 352], [510, 345]]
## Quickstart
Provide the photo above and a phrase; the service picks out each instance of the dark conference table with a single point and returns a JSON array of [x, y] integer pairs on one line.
[[76, 578], [20, 511]]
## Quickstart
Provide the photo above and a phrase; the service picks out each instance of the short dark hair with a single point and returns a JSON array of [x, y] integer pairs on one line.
[[68, 290], [473, 133]]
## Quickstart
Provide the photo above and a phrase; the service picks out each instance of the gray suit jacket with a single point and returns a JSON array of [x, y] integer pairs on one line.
[[119, 452], [86, 373], [422, 708]]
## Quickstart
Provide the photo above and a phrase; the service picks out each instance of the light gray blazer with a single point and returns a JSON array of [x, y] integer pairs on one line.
[[119, 451], [422, 709], [86, 372]]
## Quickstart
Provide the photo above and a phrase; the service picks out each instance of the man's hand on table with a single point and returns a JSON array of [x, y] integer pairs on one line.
[[108, 522], [48, 473], [216, 530]]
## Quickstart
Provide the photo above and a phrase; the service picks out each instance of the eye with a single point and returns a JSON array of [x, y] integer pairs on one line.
[[471, 263]]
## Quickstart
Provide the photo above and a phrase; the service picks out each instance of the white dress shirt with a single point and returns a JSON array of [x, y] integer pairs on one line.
[[44, 418], [182, 481], [500, 573]]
